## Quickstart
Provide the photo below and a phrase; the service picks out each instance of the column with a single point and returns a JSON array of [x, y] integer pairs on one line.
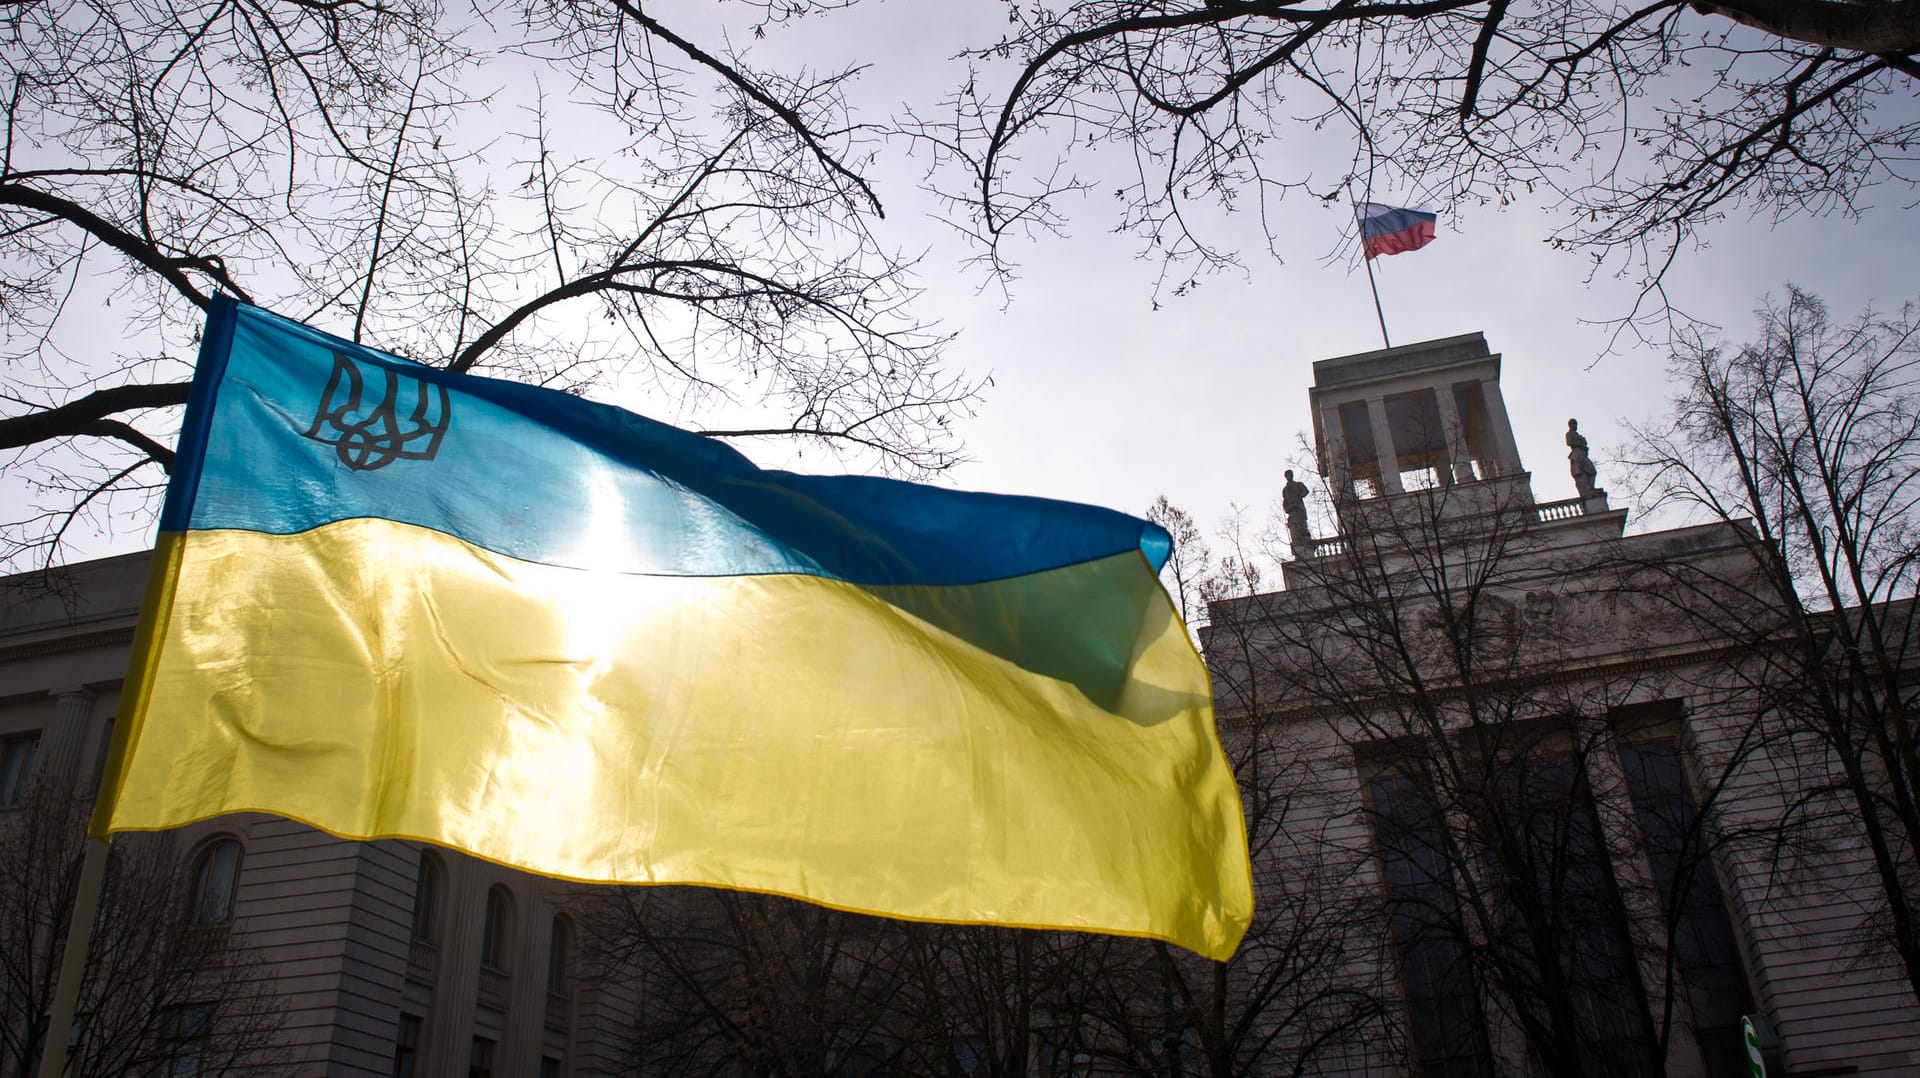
[[1457, 453], [1333, 453], [64, 739], [1383, 446], [525, 1037], [1500, 428], [450, 1022]]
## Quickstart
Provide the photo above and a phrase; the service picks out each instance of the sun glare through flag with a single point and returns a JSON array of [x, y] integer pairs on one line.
[[392, 601]]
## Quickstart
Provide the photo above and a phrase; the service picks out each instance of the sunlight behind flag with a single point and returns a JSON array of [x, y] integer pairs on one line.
[[390, 601]]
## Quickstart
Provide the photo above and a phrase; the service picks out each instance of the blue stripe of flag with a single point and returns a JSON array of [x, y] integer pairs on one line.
[[544, 476], [1379, 220]]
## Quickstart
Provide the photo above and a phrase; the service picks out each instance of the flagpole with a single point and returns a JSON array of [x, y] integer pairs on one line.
[[73, 961], [1382, 315]]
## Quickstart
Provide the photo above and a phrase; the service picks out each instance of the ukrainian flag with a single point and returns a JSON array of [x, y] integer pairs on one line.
[[389, 601]]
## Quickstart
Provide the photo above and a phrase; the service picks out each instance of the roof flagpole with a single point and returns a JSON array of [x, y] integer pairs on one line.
[[1382, 315]]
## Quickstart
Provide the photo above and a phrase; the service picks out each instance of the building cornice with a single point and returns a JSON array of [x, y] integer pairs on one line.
[[115, 636]]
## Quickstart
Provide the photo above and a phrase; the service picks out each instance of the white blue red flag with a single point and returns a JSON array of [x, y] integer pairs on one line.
[[1389, 230]]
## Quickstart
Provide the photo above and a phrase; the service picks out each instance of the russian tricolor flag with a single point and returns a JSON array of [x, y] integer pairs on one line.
[[1389, 230]]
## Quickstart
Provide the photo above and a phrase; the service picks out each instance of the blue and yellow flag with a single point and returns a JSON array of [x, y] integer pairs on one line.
[[394, 602]]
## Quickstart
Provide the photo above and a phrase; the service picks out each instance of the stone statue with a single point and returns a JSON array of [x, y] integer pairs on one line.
[[1578, 462], [1293, 500]]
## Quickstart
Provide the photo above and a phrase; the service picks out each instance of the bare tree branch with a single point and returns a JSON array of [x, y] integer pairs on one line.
[[173, 269], [74, 417]]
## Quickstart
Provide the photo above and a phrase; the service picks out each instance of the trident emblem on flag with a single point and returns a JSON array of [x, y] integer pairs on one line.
[[371, 429]]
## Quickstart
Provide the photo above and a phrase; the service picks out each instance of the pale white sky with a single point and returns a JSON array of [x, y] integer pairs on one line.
[[1099, 397]]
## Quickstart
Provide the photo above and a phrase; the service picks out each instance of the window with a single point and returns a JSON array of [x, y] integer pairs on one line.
[[426, 899], [1566, 875], [1443, 994], [1064, 1055], [1549, 939], [549, 1067], [17, 754], [1176, 1049], [559, 954], [406, 1047], [480, 1061], [969, 1055], [76, 1041], [183, 1040], [1705, 950], [496, 934], [216, 877]]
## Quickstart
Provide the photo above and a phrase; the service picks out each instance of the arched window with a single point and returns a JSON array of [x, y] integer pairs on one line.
[[559, 954], [426, 899], [216, 877], [496, 932]]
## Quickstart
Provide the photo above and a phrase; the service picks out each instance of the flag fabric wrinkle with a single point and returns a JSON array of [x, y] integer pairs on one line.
[[391, 601]]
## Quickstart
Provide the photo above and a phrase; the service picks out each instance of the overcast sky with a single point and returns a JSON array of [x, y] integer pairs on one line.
[[1098, 396]]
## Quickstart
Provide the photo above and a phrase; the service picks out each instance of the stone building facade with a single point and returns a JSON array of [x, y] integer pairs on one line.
[[1544, 747], [1529, 812], [378, 958]]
